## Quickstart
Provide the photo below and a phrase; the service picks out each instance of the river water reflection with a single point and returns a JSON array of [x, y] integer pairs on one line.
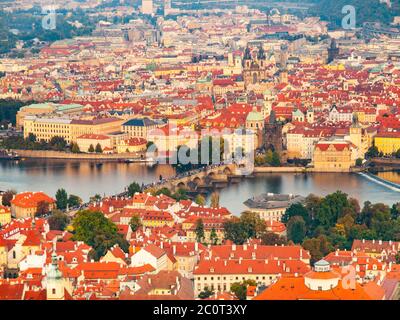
[[86, 179]]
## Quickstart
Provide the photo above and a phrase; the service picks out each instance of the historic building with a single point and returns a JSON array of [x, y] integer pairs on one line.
[[334, 156], [333, 51], [273, 134], [254, 68], [255, 123]]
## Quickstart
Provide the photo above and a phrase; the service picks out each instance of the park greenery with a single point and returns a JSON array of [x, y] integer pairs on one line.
[[366, 11], [248, 225], [323, 224], [8, 111], [63, 201], [58, 220], [179, 195], [31, 143], [133, 188], [93, 228], [7, 197], [240, 288], [270, 158], [135, 223], [208, 151]]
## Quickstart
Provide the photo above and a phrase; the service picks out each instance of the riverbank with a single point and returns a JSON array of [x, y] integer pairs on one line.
[[45, 154], [301, 170]]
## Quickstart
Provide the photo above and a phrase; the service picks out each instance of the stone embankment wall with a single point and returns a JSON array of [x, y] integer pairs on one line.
[[77, 156]]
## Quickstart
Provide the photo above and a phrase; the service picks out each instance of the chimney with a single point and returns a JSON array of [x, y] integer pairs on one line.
[[162, 245], [233, 247], [240, 260], [380, 241], [149, 280], [174, 249], [373, 241], [196, 246], [363, 240], [245, 247], [255, 246]]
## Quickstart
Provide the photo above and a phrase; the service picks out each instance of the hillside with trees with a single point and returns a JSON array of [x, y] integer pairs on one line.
[[366, 11]]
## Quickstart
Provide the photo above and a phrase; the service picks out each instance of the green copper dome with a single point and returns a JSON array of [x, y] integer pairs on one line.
[[254, 116]]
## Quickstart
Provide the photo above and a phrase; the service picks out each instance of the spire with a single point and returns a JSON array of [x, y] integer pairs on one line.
[[272, 117], [355, 122], [261, 53], [247, 54], [54, 272]]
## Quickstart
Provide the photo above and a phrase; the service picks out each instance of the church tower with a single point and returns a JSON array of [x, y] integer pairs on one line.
[[55, 289], [254, 68], [310, 115], [356, 133], [333, 51]]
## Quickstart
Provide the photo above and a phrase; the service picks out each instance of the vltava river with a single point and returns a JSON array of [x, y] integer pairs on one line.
[[86, 179]]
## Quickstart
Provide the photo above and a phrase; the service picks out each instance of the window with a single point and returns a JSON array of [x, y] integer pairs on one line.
[[53, 291]]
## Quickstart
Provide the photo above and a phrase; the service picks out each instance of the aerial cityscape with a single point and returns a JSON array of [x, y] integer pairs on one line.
[[200, 150]]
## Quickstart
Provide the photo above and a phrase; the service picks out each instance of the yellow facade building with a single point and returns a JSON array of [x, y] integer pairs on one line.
[[45, 128], [387, 142], [332, 156], [5, 215]]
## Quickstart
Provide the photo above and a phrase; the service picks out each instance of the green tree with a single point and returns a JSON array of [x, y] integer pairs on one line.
[[133, 188], [181, 194], [296, 209], [165, 191], [135, 222], [240, 288], [254, 225], [271, 239], [93, 228], [331, 208], [235, 231], [58, 220], [99, 149], [275, 161], [57, 143], [75, 148], [91, 148], [213, 237], [372, 152], [95, 198], [215, 200], [318, 247], [61, 199], [43, 208], [200, 200], [7, 197], [199, 230], [206, 293], [296, 229], [74, 201], [359, 162]]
